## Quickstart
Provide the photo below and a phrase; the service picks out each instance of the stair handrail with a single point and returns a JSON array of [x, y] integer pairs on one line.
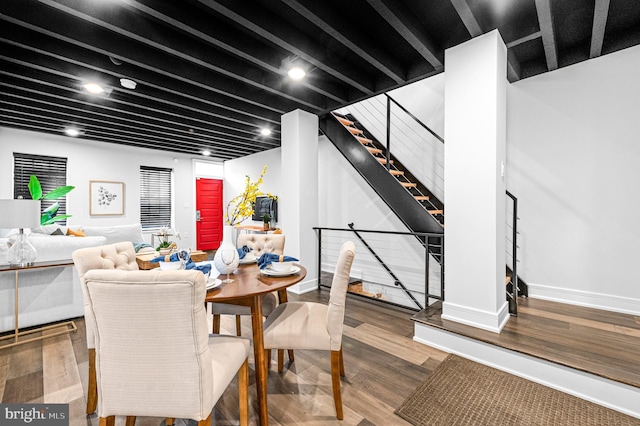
[[397, 282], [514, 254], [416, 119]]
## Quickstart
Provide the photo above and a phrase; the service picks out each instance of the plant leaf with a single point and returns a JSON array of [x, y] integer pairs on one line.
[[34, 188], [60, 191], [56, 219], [51, 210]]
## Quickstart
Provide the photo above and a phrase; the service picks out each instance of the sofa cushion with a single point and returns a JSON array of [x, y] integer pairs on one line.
[[116, 234]]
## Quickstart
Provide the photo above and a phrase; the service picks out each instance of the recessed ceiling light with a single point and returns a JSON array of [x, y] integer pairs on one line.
[[265, 132], [296, 73], [93, 88], [206, 152], [72, 131], [128, 83]]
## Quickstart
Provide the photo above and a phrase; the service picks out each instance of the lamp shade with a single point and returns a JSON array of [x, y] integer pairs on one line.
[[19, 213]]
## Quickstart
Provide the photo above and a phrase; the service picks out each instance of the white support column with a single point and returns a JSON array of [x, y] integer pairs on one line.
[[475, 134], [298, 202]]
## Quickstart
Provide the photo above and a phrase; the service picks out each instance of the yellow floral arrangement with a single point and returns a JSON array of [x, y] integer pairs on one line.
[[241, 207]]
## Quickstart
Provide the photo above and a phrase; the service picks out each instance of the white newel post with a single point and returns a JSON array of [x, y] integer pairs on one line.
[[475, 133]]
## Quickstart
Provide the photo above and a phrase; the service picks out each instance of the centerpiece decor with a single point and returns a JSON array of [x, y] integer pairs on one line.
[[167, 246]]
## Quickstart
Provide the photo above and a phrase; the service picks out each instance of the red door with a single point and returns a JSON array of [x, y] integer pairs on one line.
[[208, 213]]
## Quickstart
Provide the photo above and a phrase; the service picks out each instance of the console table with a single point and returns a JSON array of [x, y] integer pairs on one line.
[[13, 338]]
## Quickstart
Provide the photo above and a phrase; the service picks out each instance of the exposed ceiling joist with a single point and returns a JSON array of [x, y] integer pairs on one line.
[[545, 20], [600, 14]]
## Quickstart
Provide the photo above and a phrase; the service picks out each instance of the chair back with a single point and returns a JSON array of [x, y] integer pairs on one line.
[[262, 243], [152, 353], [338, 294], [112, 256]]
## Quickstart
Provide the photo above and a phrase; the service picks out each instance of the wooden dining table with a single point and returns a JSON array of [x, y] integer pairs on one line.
[[247, 289]]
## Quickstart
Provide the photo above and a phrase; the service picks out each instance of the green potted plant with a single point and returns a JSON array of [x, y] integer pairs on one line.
[[49, 215], [266, 219]]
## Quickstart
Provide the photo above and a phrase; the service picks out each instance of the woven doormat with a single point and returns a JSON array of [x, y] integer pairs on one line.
[[462, 392]]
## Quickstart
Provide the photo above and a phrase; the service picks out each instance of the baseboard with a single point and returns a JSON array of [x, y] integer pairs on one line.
[[601, 391], [490, 321], [304, 286], [587, 299]]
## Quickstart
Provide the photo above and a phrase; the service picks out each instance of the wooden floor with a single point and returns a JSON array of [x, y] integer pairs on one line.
[[382, 363], [599, 342]]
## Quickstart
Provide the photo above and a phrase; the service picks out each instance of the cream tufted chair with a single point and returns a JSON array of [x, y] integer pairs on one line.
[[259, 244], [113, 256], [154, 356], [308, 325]]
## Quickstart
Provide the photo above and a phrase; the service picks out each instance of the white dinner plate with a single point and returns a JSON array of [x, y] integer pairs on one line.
[[213, 283], [247, 260], [274, 273]]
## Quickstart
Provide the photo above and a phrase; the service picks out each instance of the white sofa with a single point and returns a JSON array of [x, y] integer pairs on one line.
[[53, 294]]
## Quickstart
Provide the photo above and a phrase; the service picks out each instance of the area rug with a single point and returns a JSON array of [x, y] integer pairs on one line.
[[463, 392]]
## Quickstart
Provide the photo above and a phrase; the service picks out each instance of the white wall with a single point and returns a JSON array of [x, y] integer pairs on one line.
[[573, 161], [90, 160]]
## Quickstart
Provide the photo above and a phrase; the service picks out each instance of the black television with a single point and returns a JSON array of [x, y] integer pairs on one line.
[[265, 205]]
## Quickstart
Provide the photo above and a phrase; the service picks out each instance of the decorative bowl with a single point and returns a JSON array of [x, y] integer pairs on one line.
[[281, 266], [169, 266]]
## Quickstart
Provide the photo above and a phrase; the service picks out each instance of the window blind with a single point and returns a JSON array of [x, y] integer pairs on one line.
[[155, 197], [50, 171]]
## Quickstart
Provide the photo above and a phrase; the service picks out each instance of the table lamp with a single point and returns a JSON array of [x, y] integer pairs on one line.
[[20, 214]]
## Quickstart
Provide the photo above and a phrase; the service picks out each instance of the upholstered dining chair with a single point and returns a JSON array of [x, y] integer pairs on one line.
[[315, 326], [259, 244], [154, 356], [112, 256]]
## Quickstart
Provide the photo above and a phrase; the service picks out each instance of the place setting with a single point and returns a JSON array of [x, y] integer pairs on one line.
[[275, 265]]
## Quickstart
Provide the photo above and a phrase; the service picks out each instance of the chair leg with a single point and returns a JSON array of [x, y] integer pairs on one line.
[[205, 422], [92, 391], [290, 353], [169, 421], [341, 363], [238, 326], [216, 324], [335, 382], [243, 393], [267, 357], [280, 360], [130, 421], [107, 421]]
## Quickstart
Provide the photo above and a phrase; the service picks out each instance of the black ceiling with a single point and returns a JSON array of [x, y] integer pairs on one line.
[[210, 72]]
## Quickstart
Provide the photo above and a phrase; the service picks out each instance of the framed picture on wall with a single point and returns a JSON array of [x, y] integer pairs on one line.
[[106, 198]]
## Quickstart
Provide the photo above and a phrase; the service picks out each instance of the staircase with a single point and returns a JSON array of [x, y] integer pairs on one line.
[[417, 207]]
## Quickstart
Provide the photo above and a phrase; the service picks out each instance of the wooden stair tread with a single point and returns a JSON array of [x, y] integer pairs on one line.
[[364, 140], [374, 150], [344, 121], [436, 211], [409, 184], [353, 130], [421, 197], [383, 160], [396, 172]]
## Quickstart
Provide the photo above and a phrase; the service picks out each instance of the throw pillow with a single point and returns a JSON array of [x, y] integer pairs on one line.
[[58, 231], [76, 233]]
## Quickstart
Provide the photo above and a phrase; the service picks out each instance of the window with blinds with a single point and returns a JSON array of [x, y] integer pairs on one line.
[[155, 197], [50, 171]]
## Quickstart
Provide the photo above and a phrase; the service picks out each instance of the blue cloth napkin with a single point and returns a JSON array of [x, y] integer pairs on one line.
[[205, 269], [266, 259], [242, 251], [172, 258]]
